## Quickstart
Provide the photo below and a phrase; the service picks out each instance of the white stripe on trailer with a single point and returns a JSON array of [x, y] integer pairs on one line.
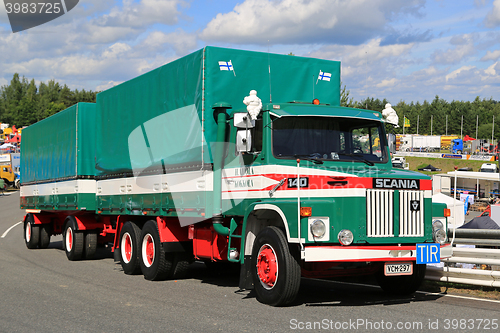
[[190, 181], [57, 188]]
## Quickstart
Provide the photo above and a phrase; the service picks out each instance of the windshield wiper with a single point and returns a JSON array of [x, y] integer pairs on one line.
[[361, 158], [305, 157], [309, 158]]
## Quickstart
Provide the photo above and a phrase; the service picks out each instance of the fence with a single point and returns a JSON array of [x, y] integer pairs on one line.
[[476, 256]]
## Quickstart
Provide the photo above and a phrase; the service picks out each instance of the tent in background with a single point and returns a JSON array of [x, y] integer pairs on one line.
[[481, 222], [458, 211]]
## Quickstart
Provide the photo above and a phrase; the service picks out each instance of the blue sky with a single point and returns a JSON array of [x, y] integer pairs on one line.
[[410, 50]]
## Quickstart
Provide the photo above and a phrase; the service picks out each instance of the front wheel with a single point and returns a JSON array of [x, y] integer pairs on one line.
[[275, 270], [402, 284]]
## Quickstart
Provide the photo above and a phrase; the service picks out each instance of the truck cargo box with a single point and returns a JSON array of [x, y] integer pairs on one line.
[[57, 160], [164, 120]]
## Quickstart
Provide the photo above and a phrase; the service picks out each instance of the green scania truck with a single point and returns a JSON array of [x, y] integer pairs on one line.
[[231, 155]]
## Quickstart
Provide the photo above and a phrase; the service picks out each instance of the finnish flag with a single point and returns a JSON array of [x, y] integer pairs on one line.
[[226, 66], [324, 76]]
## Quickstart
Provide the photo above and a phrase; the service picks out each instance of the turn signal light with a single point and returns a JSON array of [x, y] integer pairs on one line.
[[305, 211], [316, 101], [447, 212]]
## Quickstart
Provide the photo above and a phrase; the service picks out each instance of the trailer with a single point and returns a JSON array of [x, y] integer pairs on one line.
[[231, 156], [425, 143]]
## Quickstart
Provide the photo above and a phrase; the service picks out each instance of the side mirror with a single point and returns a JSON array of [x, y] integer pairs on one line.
[[242, 120], [243, 141]]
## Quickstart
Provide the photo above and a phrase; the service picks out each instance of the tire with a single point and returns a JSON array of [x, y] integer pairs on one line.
[[156, 265], [403, 284], [90, 246], [275, 270], [181, 264], [45, 231], [72, 240], [31, 232], [129, 250]]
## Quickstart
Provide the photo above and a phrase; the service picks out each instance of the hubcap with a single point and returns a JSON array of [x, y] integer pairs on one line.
[[126, 248], [148, 250], [28, 232], [267, 266], [69, 239]]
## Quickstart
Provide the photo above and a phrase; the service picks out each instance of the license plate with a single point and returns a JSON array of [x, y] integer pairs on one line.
[[398, 268]]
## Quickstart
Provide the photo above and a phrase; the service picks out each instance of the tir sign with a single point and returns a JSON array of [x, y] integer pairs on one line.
[[428, 253]]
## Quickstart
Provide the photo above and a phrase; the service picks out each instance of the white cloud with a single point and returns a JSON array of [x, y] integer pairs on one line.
[[459, 72], [387, 83], [305, 21], [107, 85], [492, 20], [464, 47], [179, 40], [491, 55], [140, 14], [492, 71], [116, 50]]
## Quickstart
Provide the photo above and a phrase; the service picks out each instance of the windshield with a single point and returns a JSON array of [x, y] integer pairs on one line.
[[330, 138]]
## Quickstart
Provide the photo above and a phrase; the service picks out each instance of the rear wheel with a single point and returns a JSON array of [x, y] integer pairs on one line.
[[90, 247], [31, 232], [45, 231], [130, 237], [72, 240], [276, 271], [181, 264], [402, 284], [155, 264]]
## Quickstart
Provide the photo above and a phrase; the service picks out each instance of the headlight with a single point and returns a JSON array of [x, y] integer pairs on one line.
[[439, 236], [438, 232], [436, 224], [345, 237], [318, 228]]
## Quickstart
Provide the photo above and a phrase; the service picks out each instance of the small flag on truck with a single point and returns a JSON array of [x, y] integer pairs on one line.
[[324, 76], [226, 65]]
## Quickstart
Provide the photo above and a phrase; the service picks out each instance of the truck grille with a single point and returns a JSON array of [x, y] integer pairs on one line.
[[380, 213]]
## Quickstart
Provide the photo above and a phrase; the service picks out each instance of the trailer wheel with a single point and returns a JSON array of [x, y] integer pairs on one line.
[[31, 232], [130, 236], [276, 271], [182, 261], [156, 265], [403, 284], [90, 247], [45, 230], [72, 240]]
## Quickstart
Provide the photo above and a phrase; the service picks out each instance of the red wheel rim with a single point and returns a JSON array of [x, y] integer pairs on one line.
[[28, 231], [148, 250], [267, 266], [69, 239], [127, 247]]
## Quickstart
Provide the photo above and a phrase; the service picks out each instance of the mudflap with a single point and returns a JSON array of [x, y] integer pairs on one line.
[[246, 281]]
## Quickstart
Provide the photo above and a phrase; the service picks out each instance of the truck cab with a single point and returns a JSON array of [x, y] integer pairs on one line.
[[7, 174], [324, 177]]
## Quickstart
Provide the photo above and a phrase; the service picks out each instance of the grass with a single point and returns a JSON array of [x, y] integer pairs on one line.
[[445, 164]]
